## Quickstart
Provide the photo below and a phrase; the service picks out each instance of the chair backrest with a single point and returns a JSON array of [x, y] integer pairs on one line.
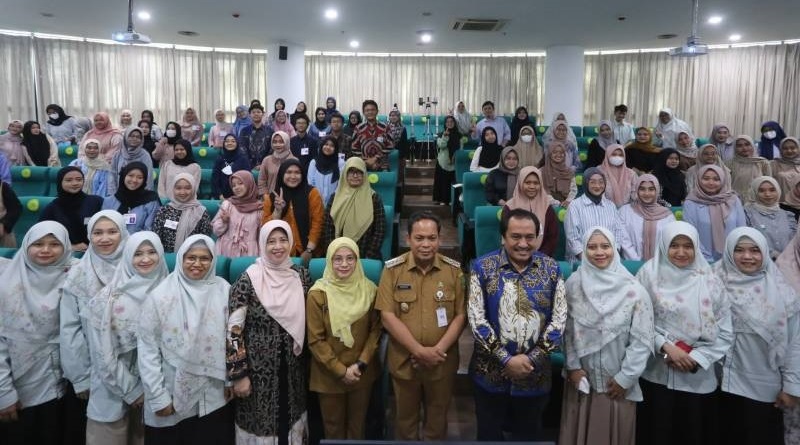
[[385, 185], [577, 130], [67, 154], [205, 190], [678, 212], [583, 142], [394, 160], [561, 245], [633, 266], [590, 131], [237, 266], [473, 192], [32, 207], [30, 180], [388, 233], [212, 205], [7, 252], [223, 265], [372, 269], [462, 160], [487, 229], [205, 156], [566, 269]]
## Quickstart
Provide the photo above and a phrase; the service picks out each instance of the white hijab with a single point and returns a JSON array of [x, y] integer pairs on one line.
[[189, 317]]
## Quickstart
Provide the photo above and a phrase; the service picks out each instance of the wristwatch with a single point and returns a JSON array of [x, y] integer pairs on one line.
[[361, 365]]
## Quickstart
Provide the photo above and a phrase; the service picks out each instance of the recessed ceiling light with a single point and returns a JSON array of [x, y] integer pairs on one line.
[[354, 44], [715, 20], [735, 37], [187, 33], [426, 38], [331, 14], [666, 36], [46, 14], [427, 14], [144, 15]]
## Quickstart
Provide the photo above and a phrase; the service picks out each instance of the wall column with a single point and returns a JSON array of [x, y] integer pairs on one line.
[[285, 78], [563, 83]]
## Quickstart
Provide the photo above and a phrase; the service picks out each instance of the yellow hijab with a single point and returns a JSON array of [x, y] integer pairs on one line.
[[352, 210], [348, 299]]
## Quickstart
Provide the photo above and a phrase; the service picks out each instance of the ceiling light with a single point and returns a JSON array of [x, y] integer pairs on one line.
[[354, 44], [426, 38], [714, 20], [331, 14], [144, 15], [735, 37]]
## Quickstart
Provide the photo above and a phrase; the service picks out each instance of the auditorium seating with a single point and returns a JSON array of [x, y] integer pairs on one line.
[[385, 185], [205, 156], [487, 229], [32, 207], [30, 180]]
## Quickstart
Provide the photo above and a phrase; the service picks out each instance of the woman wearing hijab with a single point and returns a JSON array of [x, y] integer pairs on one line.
[[111, 140], [558, 179], [707, 155], [354, 119], [487, 155], [597, 148], [325, 169], [116, 396], [183, 216], [722, 139], [714, 209], [31, 384], [300, 110], [641, 154], [789, 265], [521, 119], [786, 168], [137, 205], [560, 134], [191, 127], [667, 129], [319, 128], [620, 180], [693, 331], [501, 182], [60, 126], [760, 371], [133, 152], [279, 105], [550, 135], [644, 217], [94, 167], [771, 136], [445, 174], [268, 172], [607, 342], [149, 143], [181, 352], [746, 166], [72, 206], [266, 357], [39, 148], [398, 133], [165, 150], [239, 218], [528, 149], [766, 216], [155, 131], [125, 119], [219, 130], [672, 180], [11, 144], [282, 123], [232, 159], [463, 118], [529, 195], [686, 148], [330, 108], [10, 211], [343, 331], [355, 211], [182, 162], [301, 206], [594, 209], [242, 120]]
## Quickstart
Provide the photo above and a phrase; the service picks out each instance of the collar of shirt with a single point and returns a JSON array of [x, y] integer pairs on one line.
[[411, 264], [506, 263], [588, 202]]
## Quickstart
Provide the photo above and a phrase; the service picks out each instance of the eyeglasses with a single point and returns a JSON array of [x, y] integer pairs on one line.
[[197, 259], [339, 260]]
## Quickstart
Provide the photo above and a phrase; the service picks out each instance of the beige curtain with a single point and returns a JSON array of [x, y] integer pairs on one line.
[[16, 79], [507, 81], [740, 86], [85, 77]]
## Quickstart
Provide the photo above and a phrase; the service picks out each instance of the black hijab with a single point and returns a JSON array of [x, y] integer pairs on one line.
[[490, 153], [62, 116], [129, 199], [320, 124], [189, 159], [148, 143], [517, 124], [71, 205], [230, 155], [587, 175], [152, 118], [38, 146], [359, 119], [172, 141], [453, 137], [297, 197], [328, 163], [672, 180]]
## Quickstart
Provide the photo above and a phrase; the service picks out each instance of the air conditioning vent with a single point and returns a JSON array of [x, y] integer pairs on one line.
[[483, 25]]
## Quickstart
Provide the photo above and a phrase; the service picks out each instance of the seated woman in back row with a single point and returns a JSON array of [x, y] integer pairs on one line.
[[183, 216], [529, 195], [487, 156], [72, 208], [500, 182]]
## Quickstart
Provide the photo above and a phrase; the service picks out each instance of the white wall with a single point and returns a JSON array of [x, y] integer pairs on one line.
[[563, 83], [286, 78]]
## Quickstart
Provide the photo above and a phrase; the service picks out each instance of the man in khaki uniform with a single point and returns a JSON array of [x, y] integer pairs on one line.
[[421, 299]]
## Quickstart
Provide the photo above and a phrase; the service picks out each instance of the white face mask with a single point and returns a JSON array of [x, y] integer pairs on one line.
[[616, 161], [526, 138], [53, 116], [170, 133], [771, 134]]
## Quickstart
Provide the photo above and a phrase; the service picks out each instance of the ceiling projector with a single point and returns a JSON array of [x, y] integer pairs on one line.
[[693, 48], [131, 37]]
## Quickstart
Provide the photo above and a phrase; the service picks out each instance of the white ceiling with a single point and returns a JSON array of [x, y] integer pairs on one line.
[[391, 26]]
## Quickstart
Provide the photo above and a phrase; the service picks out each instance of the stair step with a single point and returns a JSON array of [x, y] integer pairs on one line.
[[418, 186], [418, 203], [420, 169]]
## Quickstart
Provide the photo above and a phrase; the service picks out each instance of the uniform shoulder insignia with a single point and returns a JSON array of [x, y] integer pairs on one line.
[[451, 262], [396, 261]]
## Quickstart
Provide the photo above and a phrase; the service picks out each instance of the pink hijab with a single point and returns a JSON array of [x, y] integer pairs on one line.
[[286, 126], [651, 213], [618, 178], [538, 205], [719, 205], [278, 286]]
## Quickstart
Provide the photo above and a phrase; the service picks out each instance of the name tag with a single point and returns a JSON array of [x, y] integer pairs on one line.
[[130, 218], [404, 286], [322, 134], [227, 170], [86, 221], [380, 139], [441, 317], [170, 224], [304, 151], [195, 127], [222, 134], [341, 156]]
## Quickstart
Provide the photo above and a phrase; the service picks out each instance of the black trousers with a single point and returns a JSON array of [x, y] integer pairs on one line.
[[668, 417], [494, 411], [750, 422], [41, 425], [215, 428]]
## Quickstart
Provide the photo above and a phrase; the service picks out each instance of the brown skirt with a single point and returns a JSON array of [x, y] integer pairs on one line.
[[594, 419]]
